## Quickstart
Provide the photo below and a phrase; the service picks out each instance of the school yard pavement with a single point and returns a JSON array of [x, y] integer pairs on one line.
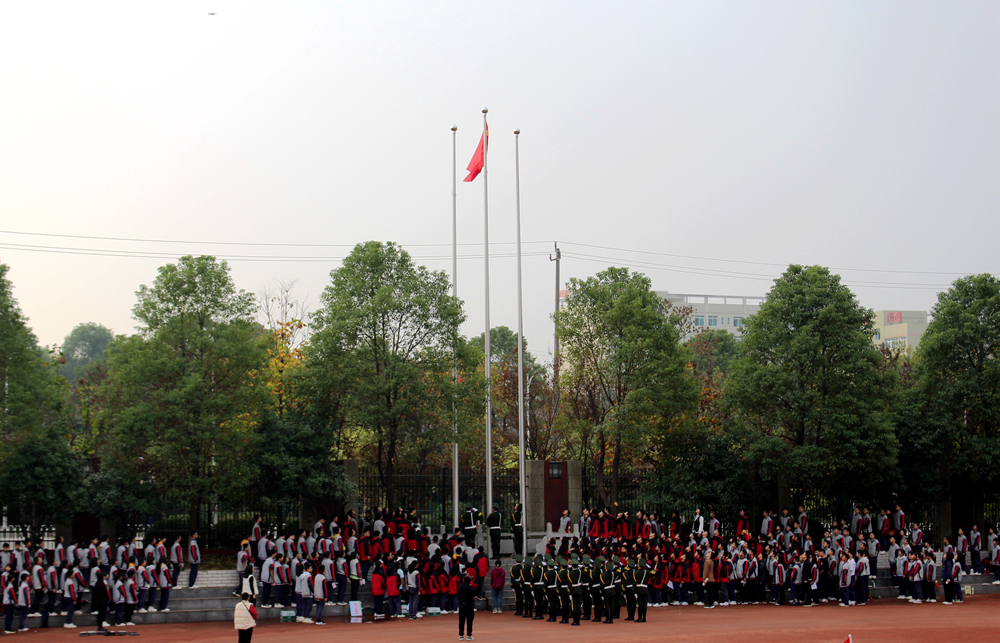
[[885, 621]]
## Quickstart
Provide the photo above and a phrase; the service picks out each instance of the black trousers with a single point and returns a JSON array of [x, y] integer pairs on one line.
[[465, 617], [529, 603], [495, 542], [245, 635], [642, 600], [518, 600]]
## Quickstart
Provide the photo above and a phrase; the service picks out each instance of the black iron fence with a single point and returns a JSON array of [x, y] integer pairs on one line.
[[629, 492], [428, 490], [220, 524]]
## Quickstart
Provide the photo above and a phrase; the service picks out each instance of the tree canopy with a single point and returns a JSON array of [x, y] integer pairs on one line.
[[807, 382]]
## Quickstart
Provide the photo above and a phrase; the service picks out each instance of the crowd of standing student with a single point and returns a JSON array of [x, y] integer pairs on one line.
[[638, 561], [314, 568], [120, 581]]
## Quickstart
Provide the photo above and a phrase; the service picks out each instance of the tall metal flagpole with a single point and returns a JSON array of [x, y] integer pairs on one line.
[[520, 342], [454, 290], [489, 394]]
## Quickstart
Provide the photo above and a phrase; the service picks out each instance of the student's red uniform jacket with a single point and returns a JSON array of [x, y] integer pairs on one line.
[[696, 565], [453, 584], [723, 571], [594, 530], [626, 530], [473, 574], [365, 549], [386, 546], [646, 531], [483, 563], [742, 525], [378, 584], [657, 576]]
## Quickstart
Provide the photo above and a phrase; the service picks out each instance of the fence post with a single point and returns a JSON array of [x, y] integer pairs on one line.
[[534, 492], [574, 488]]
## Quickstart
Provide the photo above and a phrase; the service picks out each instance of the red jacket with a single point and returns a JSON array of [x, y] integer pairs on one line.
[[392, 585], [378, 584]]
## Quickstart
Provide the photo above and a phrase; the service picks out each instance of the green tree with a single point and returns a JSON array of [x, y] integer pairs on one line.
[[808, 386], [297, 463], [84, 345], [711, 351], [183, 401], [40, 483], [31, 393], [959, 376], [384, 340], [622, 355]]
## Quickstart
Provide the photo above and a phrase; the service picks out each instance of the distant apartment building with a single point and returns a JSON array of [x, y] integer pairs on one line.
[[899, 328], [716, 312]]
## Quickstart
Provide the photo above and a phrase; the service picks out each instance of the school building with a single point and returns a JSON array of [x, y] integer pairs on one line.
[[716, 312], [899, 328]]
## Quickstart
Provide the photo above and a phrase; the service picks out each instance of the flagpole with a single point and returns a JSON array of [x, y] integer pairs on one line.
[[520, 343], [454, 290], [489, 400]]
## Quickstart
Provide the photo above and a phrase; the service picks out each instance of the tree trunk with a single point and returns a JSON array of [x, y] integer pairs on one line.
[[601, 457], [615, 467]]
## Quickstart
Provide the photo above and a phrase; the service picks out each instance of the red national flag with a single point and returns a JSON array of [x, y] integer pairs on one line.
[[850, 639], [479, 158]]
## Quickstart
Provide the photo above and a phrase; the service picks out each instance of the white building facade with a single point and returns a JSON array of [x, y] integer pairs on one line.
[[716, 312]]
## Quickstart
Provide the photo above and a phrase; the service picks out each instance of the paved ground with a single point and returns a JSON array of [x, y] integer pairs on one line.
[[885, 621]]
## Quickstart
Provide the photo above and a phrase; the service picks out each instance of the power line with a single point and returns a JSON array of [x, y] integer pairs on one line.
[[136, 254], [759, 263], [432, 245], [244, 243], [755, 277]]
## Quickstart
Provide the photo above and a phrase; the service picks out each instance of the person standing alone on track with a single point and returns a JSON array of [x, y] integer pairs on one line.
[[466, 609], [245, 618]]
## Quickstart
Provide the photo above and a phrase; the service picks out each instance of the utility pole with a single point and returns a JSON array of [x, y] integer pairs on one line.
[[555, 335]]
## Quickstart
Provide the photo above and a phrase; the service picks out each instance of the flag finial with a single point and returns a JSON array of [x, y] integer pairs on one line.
[[485, 111]]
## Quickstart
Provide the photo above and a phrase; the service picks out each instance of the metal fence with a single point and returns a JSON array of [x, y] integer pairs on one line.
[[428, 490], [15, 533], [220, 524], [630, 486]]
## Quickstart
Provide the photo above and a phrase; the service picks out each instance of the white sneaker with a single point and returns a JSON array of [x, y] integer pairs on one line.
[[68, 626], [130, 624], [142, 611], [33, 614], [192, 587], [93, 613], [918, 601], [319, 623], [946, 603], [461, 638], [469, 638], [165, 609], [308, 620], [151, 609]]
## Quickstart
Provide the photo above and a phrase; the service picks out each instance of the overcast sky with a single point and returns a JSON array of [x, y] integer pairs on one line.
[[730, 137]]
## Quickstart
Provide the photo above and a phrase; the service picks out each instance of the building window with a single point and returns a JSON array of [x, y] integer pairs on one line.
[[699, 320], [555, 469], [713, 321], [878, 334], [738, 322]]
